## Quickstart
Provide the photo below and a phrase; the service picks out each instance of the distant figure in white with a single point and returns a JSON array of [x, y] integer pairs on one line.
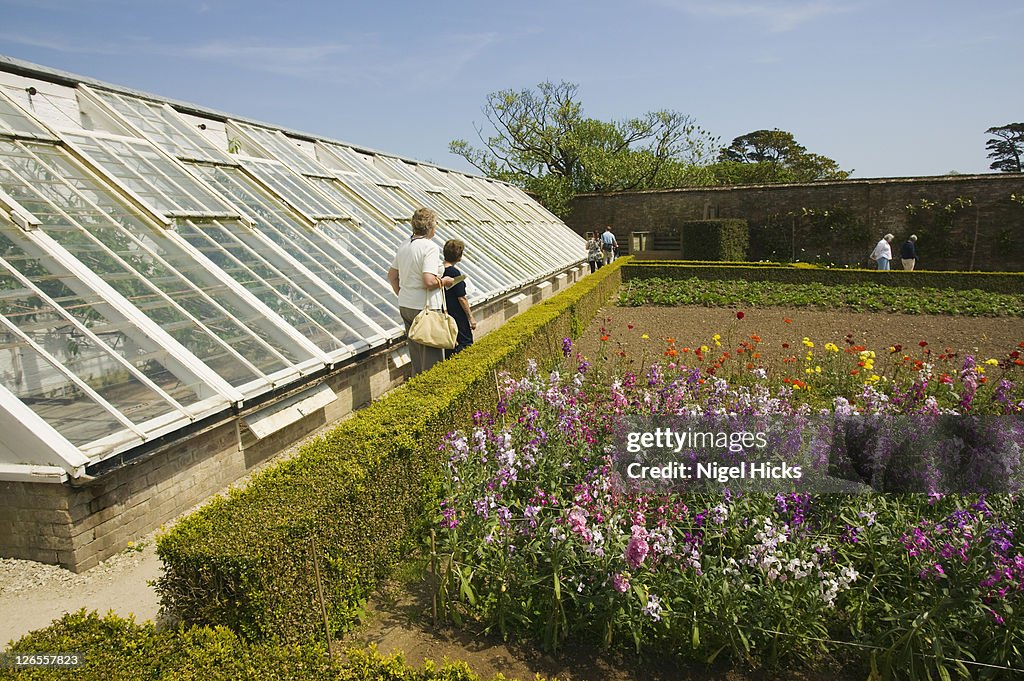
[[883, 252], [608, 245]]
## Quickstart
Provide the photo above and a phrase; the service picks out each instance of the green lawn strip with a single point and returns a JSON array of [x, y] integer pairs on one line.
[[853, 297]]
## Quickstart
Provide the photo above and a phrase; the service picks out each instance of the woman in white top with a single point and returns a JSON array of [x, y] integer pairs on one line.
[[415, 277]]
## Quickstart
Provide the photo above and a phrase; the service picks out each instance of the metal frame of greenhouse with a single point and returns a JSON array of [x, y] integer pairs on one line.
[[164, 266]]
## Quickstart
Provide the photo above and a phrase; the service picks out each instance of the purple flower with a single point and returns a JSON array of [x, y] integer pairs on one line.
[[566, 347]]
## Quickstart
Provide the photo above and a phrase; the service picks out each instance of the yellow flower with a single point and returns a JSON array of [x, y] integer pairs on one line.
[[980, 369], [807, 342], [717, 338], [866, 355], [831, 347], [873, 378], [704, 348], [645, 336], [817, 369], [992, 362]]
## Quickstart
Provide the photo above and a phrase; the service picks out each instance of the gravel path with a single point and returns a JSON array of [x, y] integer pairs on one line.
[[33, 594]]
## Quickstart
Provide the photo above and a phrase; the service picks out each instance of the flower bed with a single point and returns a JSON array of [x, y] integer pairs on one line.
[[545, 538]]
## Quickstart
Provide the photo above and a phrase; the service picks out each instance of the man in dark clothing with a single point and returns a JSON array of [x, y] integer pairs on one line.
[[908, 253]]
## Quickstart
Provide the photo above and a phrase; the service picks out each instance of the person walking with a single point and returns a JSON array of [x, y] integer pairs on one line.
[[593, 252], [883, 252], [908, 253], [608, 245], [416, 278]]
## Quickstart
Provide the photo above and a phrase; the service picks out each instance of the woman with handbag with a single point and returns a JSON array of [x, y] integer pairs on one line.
[[415, 277]]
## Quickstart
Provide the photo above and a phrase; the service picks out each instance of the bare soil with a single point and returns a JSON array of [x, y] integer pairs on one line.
[[983, 337]]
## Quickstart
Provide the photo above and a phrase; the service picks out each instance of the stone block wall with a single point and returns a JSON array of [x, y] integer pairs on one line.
[[986, 235], [79, 526]]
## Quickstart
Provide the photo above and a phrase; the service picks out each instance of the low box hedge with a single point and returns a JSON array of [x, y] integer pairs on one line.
[[352, 499], [994, 282], [116, 648]]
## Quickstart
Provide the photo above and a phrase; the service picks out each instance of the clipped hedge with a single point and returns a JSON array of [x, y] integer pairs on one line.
[[994, 282], [719, 239], [353, 498], [114, 648]]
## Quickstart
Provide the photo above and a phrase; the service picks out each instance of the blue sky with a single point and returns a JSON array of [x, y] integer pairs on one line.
[[887, 88]]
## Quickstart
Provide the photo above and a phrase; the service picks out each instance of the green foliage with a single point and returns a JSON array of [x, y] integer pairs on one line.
[[351, 502], [834, 235], [116, 649], [773, 156], [1006, 146], [540, 140], [802, 273], [715, 239], [934, 223]]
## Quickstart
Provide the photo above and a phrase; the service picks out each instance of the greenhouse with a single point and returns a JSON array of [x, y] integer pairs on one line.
[[165, 266]]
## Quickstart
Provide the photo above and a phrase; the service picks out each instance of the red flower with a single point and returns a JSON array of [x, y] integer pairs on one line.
[[788, 320], [740, 315], [604, 337], [923, 343]]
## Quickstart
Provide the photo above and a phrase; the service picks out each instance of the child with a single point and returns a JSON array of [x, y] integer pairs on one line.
[[455, 297]]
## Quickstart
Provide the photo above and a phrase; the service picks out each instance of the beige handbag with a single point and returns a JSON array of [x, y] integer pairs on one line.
[[434, 328]]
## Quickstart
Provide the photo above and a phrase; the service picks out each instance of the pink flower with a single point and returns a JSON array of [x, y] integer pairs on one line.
[[620, 582], [636, 551]]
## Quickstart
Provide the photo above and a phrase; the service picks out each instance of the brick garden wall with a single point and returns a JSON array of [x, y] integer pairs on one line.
[[859, 213]]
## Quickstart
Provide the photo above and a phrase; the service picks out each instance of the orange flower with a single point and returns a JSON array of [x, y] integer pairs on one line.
[[755, 338], [670, 341], [671, 352], [788, 320], [604, 337]]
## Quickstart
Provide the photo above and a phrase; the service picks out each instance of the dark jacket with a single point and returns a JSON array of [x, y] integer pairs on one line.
[[908, 251]]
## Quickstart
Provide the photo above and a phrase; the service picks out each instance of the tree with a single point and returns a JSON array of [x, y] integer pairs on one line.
[[541, 140], [1006, 147], [771, 156]]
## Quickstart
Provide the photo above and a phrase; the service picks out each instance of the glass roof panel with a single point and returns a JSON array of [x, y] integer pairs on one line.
[[14, 121], [378, 197], [107, 235], [164, 127], [153, 177], [370, 298], [112, 358], [295, 189], [282, 286], [279, 146], [361, 163]]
